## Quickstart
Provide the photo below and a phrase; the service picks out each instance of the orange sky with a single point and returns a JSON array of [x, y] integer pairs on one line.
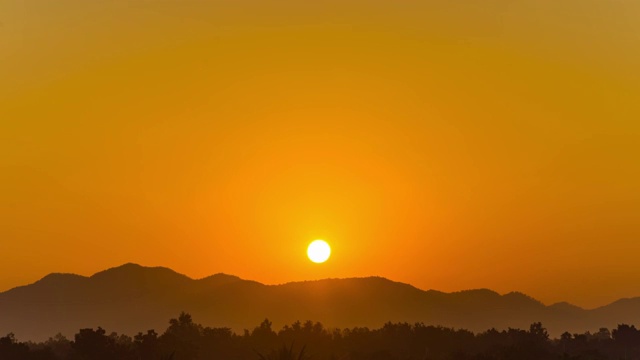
[[450, 147]]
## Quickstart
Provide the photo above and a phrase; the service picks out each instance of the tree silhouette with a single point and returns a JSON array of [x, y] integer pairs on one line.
[[284, 353], [628, 338], [92, 344], [185, 339], [182, 337], [11, 349], [146, 345]]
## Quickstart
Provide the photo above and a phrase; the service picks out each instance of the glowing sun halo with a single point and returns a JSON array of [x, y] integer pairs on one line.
[[319, 251]]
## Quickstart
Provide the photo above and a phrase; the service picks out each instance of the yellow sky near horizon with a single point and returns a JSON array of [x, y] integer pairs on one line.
[[450, 147]]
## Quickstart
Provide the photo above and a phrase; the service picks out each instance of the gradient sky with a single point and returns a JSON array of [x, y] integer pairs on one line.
[[450, 145]]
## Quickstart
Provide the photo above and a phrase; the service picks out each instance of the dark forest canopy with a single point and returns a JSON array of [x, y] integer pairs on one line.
[[185, 339]]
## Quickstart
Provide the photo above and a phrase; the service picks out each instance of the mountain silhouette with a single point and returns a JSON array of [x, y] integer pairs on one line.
[[132, 298]]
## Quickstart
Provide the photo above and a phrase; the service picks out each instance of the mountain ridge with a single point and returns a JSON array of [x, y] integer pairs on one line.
[[132, 298]]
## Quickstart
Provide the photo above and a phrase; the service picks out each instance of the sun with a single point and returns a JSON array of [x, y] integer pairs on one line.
[[318, 251]]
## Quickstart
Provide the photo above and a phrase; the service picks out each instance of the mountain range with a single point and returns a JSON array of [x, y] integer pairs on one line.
[[132, 298]]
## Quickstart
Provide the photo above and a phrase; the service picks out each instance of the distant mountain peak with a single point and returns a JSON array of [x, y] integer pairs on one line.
[[565, 306], [124, 267], [59, 278], [223, 275], [478, 292], [220, 279], [523, 299], [133, 268]]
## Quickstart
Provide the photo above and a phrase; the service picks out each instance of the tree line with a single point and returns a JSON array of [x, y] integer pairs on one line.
[[186, 340]]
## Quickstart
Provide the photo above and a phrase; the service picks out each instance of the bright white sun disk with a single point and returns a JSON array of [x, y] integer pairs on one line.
[[319, 251]]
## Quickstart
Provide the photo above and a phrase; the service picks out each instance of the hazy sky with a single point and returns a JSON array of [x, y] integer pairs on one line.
[[447, 144]]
